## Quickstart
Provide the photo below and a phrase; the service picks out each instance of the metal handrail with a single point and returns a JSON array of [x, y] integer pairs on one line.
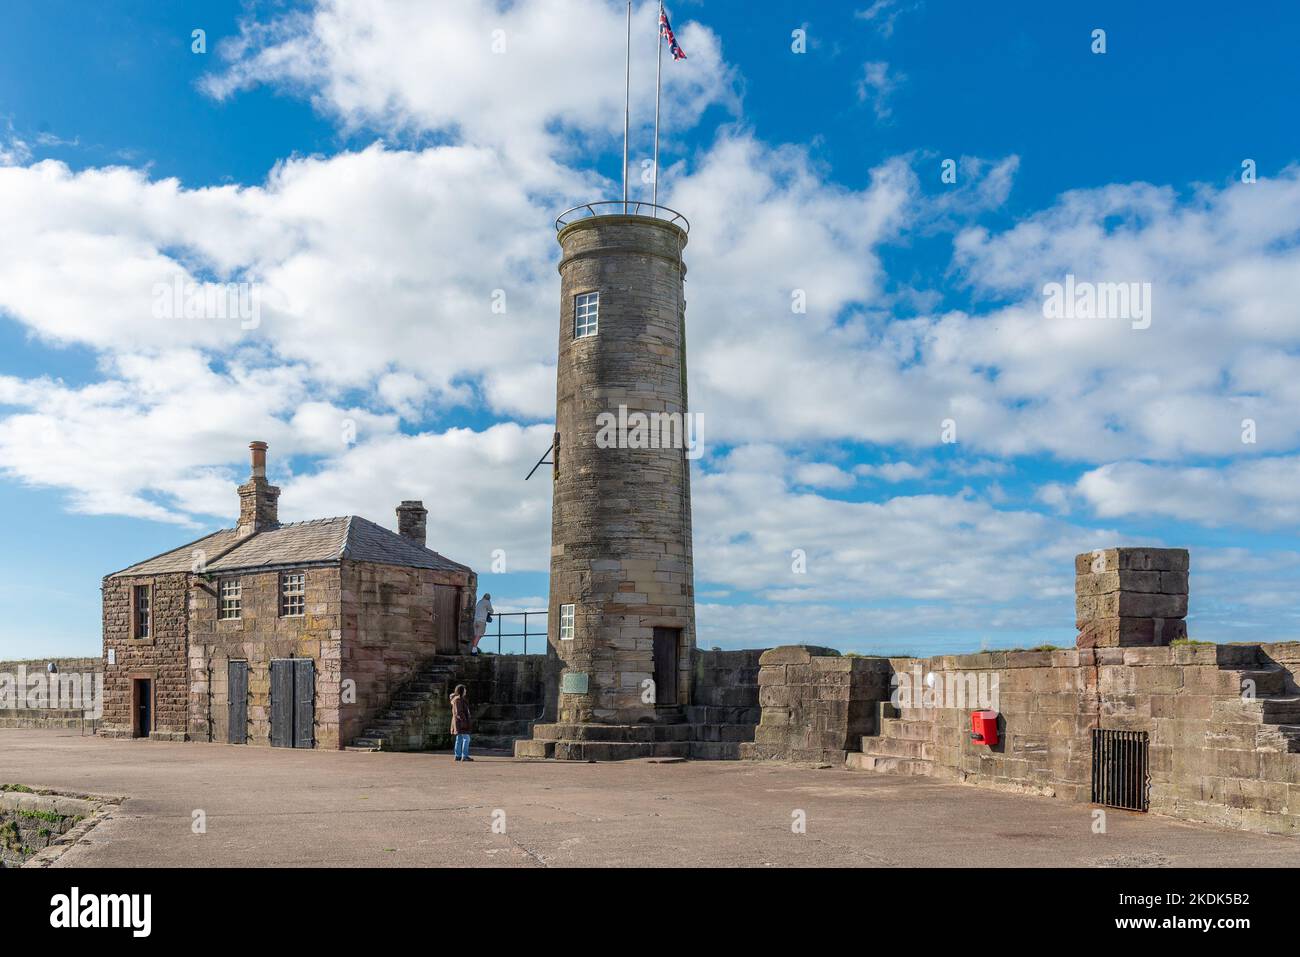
[[525, 634], [632, 207]]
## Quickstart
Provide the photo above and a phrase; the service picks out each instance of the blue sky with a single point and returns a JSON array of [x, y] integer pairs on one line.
[[379, 170]]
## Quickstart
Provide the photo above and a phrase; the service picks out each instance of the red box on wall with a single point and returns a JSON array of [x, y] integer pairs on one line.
[[984, 727]]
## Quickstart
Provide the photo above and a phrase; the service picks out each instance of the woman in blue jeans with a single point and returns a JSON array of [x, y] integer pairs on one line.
[[460, 722]]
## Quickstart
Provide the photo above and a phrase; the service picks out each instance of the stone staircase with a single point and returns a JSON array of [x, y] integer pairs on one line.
[[1272, 709], [904, 744], [418, 717], [699, 732]]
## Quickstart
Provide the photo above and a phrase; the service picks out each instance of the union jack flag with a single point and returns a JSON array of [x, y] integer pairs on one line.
[[666, 31]]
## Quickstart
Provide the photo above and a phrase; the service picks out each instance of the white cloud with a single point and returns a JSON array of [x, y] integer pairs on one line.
[[1258, 493], [521, 77], [876, 85]]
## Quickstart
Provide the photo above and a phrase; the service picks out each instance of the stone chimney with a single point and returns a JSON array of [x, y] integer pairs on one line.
[[258, 509], [411, 517]]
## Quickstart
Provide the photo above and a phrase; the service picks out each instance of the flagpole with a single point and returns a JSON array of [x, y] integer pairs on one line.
[[659, 58], [627, 100]]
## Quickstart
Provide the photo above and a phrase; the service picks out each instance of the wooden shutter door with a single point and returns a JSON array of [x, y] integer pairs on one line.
[[304, 703]]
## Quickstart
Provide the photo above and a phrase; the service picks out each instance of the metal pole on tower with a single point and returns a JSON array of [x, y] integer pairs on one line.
[[659, 56], [627, 100]]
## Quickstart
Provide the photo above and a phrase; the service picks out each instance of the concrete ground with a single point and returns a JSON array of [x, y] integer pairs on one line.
[[278, 807]]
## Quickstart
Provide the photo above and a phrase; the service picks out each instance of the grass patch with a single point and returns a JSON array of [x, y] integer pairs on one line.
[[1189, 641], [48, 816], [21, 788]]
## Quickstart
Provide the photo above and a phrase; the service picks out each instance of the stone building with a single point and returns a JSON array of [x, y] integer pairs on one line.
[[290, 635], [622, 605]]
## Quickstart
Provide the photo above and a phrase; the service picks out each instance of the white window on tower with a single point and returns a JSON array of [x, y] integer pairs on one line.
[[566, 622], [232, 599], [586, 309]]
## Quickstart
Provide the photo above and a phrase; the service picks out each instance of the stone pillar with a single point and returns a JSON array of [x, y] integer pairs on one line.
[[258, 499], [412, 519], [1128, 597], [621, 515]]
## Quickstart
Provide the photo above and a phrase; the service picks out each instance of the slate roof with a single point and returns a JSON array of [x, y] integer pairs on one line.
[[298, 543]]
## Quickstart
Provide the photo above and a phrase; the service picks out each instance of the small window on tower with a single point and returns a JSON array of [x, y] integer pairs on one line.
[[586, 308], [232, 600], [566, 622]]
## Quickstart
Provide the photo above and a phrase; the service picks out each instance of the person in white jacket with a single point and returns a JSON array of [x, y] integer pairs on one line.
[[482, 615]]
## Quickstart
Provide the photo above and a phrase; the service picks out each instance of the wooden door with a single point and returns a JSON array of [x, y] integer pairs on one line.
[[143, 694], [282, 703], [304, 703], [237, 710], [446, 619], [666, 640]]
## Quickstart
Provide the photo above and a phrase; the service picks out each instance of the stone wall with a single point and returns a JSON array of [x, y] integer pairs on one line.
[[259, 635], [816, 705], [392, 625], [728, 680], [38, 710], [161, 657], [1220, 720]]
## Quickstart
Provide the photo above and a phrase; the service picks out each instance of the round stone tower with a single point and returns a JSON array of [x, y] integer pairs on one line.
[[622, 602]]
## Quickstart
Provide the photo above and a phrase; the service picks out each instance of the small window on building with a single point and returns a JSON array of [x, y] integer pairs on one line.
[[566, 622], [232, 599], [586, 306], [293, 594], [142, 610]]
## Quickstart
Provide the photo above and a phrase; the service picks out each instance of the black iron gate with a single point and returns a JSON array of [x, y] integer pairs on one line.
[[1120, 769], [293, 703]]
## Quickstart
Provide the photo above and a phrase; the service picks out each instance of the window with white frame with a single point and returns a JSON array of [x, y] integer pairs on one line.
[[231, 599], [566, 622], [586, 307], [293, 594]]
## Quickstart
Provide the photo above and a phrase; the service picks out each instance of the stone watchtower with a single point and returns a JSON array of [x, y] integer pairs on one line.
[[622, 605]]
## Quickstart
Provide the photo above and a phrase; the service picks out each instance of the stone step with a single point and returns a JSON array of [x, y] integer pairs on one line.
[[888, 764], [1268, 681], [507, 712], [907, 730], [516, 729], [917, 714], [897, 747], [1274, 710], [715, 750], [619, 750], [715, 714], [534, 748], [1279, 737], [725, 733], [634, 733]]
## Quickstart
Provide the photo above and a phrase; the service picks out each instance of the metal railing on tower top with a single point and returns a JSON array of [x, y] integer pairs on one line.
[[615, 207]]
